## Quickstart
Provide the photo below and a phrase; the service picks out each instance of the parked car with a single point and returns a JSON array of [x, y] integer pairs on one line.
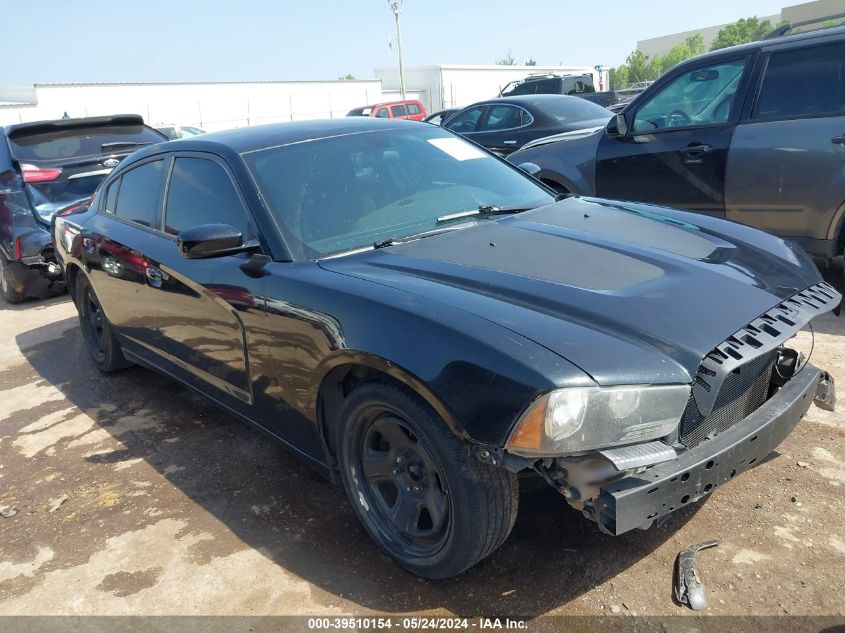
[[421, 321], [754, 133], [178, 131], [45, 167], [440, 117], [506, 124], [411, 109], [552, 84]]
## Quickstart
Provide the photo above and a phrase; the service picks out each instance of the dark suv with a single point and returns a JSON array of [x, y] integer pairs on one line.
[[47, 167], [754, 133], [572, 85]]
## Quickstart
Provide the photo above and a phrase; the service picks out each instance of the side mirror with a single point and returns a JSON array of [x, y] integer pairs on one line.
[[530, 168], [211, 240], [618, 126]]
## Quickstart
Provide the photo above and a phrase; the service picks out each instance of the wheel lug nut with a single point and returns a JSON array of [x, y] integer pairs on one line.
[[396, 471]]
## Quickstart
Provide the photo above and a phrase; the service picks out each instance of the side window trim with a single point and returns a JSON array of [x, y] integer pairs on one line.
[[232, 180], [733, 115]]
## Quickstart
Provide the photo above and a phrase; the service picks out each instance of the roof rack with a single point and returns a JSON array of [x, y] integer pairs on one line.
[[783, 29]]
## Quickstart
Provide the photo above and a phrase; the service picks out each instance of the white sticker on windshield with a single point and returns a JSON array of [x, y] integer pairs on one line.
[[456, 148]]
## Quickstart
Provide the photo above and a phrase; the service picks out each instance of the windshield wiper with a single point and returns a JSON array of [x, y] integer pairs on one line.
[[392, 241], [489, 209]]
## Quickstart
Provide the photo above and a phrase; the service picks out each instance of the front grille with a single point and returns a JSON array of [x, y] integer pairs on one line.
[[742, 392]]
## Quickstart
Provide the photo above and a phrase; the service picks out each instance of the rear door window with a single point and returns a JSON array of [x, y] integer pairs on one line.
[[397, 111], [466, 120], [547, 86], [139, 194], [201, 192], [806, 82], [502, 117]]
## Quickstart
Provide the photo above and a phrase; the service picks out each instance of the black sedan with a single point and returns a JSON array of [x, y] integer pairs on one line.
[[506, 124], [421, 321]]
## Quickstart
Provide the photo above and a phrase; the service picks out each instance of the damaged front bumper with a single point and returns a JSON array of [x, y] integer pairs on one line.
[[637, 501]]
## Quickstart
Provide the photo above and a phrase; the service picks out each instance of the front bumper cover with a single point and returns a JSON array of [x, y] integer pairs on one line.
[[639, 500]]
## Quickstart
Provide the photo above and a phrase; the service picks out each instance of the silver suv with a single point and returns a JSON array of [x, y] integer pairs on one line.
[[754, 133]]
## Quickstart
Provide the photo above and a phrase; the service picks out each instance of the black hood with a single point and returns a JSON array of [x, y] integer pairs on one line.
[[630, 293]]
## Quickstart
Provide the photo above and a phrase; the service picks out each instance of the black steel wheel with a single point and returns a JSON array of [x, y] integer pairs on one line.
[[426, 501], [102, 345]]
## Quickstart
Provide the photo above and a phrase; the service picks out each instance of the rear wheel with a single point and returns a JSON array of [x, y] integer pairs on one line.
[[100, 339], [425, 500], [7, 290]]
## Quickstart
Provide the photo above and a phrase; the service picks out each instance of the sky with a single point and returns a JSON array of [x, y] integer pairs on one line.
[[247, 40]]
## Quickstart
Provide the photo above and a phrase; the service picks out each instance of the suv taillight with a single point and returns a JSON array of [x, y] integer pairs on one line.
[[31, 173]]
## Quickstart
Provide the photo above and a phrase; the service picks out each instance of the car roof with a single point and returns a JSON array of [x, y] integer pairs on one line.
[[526, 100], [388, 103], [781, 39], [247, 139]]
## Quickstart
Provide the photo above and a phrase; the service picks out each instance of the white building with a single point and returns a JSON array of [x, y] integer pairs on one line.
[[209, 105], [458, 86], [223, 105]]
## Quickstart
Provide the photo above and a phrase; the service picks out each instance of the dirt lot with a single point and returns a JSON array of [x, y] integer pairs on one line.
[[174, 508]]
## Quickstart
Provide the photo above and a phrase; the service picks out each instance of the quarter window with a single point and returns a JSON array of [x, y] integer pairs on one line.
[[111, 196], [413, 108], [138, 197], [803, 83], [703, 96], [201, 192]]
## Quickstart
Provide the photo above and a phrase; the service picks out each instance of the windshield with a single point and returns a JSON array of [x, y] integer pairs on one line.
[[574, 109], [359, 112], [343, 193]]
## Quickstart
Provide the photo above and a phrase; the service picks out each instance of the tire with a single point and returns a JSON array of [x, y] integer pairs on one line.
[[6, 289], [98, 334], [427, 502]]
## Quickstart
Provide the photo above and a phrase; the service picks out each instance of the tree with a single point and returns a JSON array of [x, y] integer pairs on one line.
[[531, 62], [507, 60], [692, 46], [741, 32], [347, 77]]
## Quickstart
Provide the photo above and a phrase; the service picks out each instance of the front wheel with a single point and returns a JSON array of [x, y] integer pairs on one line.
[[96, 330], [424, 499]]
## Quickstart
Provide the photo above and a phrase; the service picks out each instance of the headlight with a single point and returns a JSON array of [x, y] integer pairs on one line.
[[585, 418]]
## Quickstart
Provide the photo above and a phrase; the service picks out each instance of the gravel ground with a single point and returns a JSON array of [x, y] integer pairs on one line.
[[136, 497]]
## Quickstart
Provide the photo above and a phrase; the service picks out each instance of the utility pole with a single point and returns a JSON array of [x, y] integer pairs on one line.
[[395, 6]]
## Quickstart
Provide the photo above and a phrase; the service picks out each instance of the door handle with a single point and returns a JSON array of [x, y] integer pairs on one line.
[[693, 150], [838, 140]]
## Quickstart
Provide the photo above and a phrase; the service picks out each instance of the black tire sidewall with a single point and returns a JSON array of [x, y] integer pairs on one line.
[[6, 290], [113, 358]]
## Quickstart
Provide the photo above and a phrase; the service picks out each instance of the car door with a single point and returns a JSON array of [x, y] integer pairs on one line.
[[787, 160], [398, 111], [115, 249], [202, 309], [676, 148], [503, 128]]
